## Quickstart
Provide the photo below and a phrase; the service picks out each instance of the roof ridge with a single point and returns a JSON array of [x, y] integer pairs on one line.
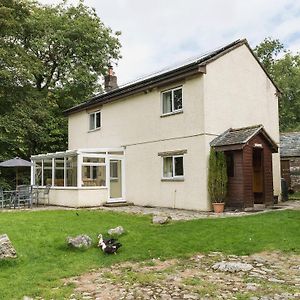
[[290, 132], [184, 62], [193, 67], [247, 127]]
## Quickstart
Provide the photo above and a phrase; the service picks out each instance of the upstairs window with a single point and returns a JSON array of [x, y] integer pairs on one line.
[[95, 120], [172, 101], [173, 166]]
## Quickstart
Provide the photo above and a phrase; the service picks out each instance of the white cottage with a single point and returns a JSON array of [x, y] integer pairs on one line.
[[148, 142]]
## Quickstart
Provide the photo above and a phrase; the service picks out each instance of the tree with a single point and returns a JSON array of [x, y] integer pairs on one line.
[[51, 58], [217, 176], [284, 68]]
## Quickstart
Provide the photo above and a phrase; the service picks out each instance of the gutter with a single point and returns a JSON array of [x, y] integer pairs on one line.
[[142, 86]]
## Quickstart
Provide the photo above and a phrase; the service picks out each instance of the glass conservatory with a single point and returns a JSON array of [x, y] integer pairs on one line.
[[81, 178]]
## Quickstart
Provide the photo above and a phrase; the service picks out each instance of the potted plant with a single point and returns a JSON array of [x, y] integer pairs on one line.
[[217, 179]]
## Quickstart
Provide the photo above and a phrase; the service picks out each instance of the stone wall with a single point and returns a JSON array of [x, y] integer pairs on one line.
[[295, 173]]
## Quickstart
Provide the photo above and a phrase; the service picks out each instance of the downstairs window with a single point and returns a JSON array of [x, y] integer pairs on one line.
[[173, 167]]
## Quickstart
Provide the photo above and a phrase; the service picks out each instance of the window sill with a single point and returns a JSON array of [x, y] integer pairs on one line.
[[96, 129], [172, 113], [172, 179]]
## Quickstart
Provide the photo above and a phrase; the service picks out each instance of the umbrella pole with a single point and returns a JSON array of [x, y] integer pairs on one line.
[[17, 177]]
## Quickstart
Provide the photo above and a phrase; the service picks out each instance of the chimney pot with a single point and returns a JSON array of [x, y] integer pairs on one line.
[[111, 70], [110, 80]]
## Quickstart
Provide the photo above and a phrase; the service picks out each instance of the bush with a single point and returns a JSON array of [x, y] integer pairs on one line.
[[217, 176]]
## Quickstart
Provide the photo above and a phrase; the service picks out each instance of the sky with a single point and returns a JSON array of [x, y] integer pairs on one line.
[[161, 33]]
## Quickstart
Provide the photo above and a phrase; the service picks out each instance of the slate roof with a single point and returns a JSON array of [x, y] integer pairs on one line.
[[241, 136], [154, 79], [236, 136], [290, 144]]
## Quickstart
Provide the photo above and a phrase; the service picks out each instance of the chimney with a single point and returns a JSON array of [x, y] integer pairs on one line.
[[110, 80]]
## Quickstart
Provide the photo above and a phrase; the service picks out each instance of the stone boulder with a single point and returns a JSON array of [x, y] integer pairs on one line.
[[116, 231], [80, 241], [7, 250], [159, 219], [232, 267]]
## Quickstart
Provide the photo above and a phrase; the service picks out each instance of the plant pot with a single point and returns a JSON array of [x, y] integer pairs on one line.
[[218, 207]]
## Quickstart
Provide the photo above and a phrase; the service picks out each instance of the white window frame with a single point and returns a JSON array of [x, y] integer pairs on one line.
[[95, 113], [94, 164], [173, 111], [173, 167]]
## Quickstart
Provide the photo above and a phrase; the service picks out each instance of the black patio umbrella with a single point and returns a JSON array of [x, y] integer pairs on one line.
[[16, 163]]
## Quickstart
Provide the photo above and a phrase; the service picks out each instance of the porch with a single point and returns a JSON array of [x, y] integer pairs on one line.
[[81, 178], [248, 153]]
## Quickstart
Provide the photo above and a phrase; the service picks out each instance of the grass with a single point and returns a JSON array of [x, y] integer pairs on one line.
[[44, 259], [295, 196]]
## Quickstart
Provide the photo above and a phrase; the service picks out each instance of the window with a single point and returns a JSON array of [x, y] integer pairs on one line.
[[172, 101], [173, 166], [95, 120], [114, 170], [93, 171]]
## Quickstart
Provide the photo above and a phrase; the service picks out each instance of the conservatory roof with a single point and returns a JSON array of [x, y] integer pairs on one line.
[[76, 152]]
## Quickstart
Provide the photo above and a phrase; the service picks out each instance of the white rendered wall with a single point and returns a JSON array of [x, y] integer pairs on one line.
[[87, 197], [136, 123], [138, 119], [238, 94], [144, 184]]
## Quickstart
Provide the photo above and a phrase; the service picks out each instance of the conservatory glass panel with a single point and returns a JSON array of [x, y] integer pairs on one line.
[[93, 175], [47, 172], [38, 173], [98, 160], [59, 172], [71, 169]]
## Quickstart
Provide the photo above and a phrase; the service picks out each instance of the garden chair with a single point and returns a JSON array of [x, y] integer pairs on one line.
[[44, 194], [35, 195], [4, 200], [23, 196]]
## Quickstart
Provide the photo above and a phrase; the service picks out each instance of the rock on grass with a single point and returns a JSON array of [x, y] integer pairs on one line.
[[80, 241], [7, 250]]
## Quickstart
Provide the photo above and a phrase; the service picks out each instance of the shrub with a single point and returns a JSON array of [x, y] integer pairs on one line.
[[217, 176]]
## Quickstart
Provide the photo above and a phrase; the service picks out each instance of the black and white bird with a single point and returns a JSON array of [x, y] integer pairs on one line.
[[108, 246]]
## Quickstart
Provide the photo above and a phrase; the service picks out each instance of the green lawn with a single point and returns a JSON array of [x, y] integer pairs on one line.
[[43, 257], [295, 196]]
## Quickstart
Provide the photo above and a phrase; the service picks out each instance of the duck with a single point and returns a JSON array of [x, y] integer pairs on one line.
[[108, 246]]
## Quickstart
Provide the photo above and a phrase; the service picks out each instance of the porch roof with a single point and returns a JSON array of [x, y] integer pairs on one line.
[[237, 138]]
